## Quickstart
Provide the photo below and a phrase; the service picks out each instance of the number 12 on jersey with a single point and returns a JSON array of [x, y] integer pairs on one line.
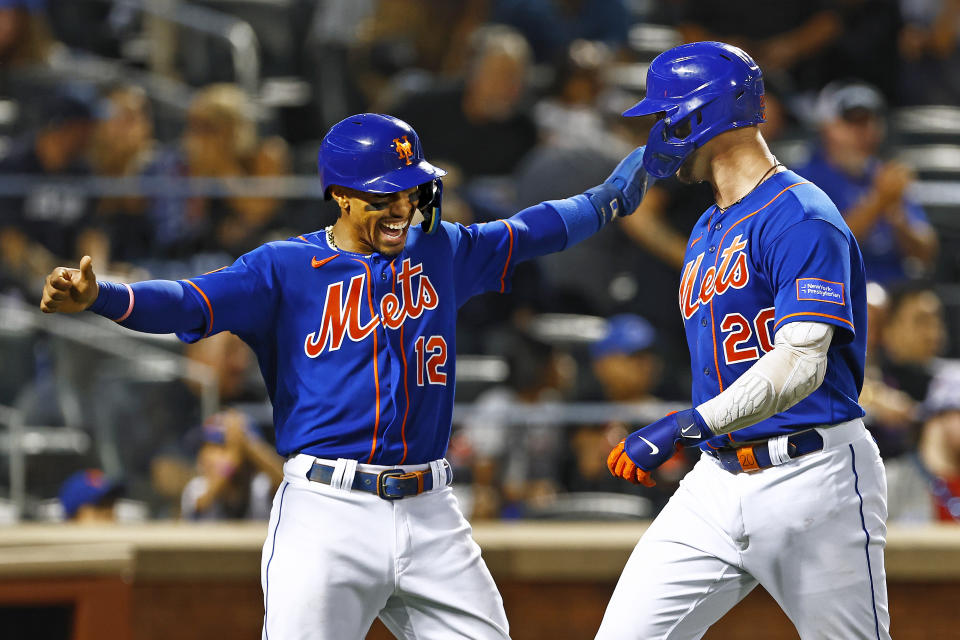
[[431, 358], [741, 331]]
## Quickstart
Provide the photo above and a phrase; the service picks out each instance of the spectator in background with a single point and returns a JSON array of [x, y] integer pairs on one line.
[[626, 363], [513, 462], [785, 38], [912, 339], [929, 46], [220, 141], [123, 146], [551, 26], [89, 496], [894, 235], [25, 37], [39, 229], [891, 413], [481, 124], [924, 486], [238, 472]]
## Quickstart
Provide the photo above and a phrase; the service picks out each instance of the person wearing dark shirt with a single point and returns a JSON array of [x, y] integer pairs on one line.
[[481, 125], [552, 25], [892, 230], [912, 339], [41, 225]]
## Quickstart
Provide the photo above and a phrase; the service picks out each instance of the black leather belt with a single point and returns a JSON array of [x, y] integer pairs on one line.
[[391, 484], [756, 456]]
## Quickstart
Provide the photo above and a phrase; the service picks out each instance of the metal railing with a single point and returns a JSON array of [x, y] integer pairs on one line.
[[148, 362], [236, 33]]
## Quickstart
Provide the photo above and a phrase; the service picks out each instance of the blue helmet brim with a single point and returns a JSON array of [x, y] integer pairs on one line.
[[650, 106], [403, 178]]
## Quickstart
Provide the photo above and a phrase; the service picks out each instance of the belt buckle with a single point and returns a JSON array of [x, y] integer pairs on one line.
[[381, 484]]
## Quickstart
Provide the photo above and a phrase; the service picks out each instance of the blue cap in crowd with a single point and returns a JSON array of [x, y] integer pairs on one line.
[[89, 486], [943, 394], [78, 102], [33, 6], [626, 333]]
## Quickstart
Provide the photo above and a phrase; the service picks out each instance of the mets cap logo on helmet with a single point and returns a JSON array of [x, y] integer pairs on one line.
[[377, 153], [702, 89]]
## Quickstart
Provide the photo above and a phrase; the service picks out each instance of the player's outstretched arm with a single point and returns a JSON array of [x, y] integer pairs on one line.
[[69, 290], [152, 306]]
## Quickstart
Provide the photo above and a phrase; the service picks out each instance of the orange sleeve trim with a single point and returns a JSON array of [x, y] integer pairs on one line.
[[304, 239], [506, 265], [376, 372], [215, 270], [209, 306], [813, 313]]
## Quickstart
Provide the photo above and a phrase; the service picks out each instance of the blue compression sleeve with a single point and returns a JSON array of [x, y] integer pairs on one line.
[[579, 217], [554, 225], [156, 306]]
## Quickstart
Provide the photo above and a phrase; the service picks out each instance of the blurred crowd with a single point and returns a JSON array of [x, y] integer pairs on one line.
[[519, 100]]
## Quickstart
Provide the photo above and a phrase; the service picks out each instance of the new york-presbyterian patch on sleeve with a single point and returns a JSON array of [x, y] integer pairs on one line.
[[820, 290]]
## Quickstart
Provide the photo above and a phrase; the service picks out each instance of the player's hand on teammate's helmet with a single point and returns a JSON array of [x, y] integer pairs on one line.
[[621, 193], [70, 290], [622, 466], [631, 179], [654, 444]]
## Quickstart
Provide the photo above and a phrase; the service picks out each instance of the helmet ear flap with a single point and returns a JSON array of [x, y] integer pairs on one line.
[[430, 195]]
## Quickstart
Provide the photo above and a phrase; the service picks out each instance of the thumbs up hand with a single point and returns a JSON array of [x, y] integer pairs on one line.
[[70, 290]]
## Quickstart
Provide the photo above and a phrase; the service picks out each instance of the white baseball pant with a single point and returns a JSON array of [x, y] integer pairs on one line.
[[811, 531], [336, 558]]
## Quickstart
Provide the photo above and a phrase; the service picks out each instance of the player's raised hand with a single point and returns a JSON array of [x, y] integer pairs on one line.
[[621, 193], [631, 179], [69, 290], [654, 444]]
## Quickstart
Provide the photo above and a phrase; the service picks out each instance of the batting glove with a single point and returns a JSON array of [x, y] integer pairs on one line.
[[621, 193], [646, 449]]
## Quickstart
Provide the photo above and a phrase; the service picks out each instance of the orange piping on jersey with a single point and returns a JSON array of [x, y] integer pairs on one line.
[[695, 241], [813, 313], [716, 261], [503, 276], [304, 239], [713, 334], [209, 306], [376, 372], [406, 389], [215, 270]]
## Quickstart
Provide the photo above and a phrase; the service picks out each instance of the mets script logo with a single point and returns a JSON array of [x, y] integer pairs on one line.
[[404, 149], [341, 315], [731, 272]]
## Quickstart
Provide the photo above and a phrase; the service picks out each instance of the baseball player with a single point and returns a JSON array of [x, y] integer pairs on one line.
[[789, 491], [354, 328]]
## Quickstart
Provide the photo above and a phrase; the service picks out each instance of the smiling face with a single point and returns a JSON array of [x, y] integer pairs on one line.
[[374, 222]]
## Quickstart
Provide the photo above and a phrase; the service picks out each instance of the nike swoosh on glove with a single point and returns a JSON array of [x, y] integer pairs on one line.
[[622, 466], [654, 444]]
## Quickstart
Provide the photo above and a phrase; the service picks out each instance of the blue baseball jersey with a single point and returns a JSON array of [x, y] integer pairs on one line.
[[357, 351], [783, 254]]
